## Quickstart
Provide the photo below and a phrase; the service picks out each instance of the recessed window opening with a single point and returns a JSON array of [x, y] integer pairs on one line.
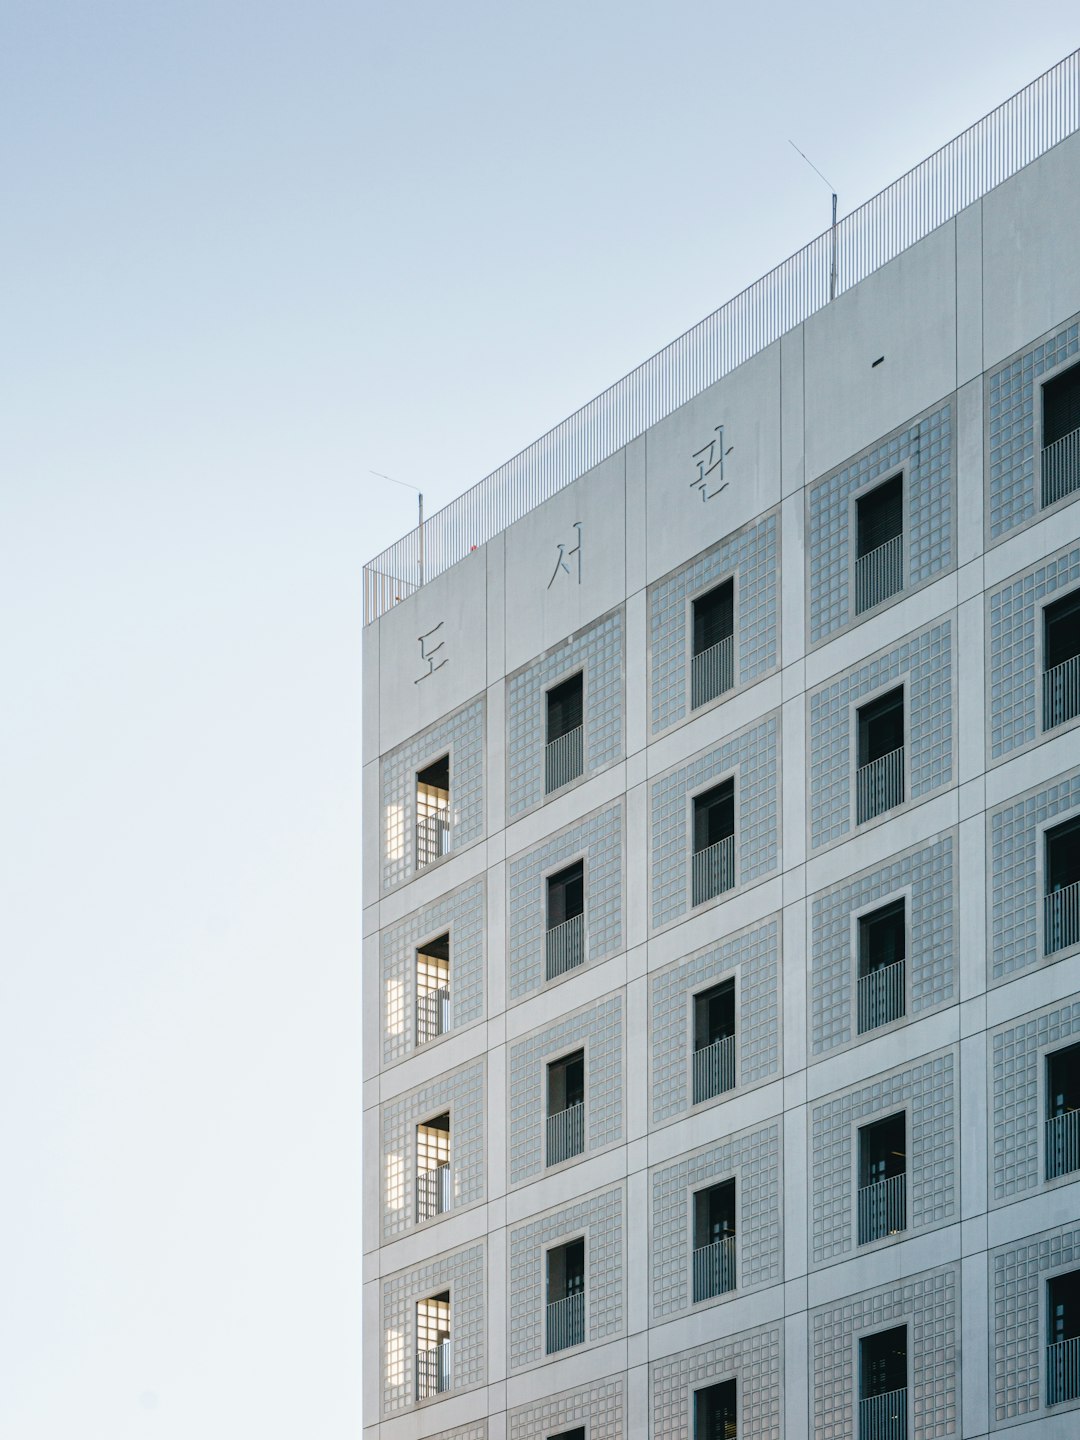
[[433, 1345], [433, 811], [882, 1201], [433, 989], [880, 778], [1063, 1338], [714, 842], [1062, 901], [576, 1434], [565, 1295], [564, 754], [879, 544], [565, 1107], [1061, 660], [565, 939], [433, 1167], [715, 1415], [714, 1041], [882, 943], [1063, 1111], [712, 662], [714, 1240], [883, 1385], [1061, 435]]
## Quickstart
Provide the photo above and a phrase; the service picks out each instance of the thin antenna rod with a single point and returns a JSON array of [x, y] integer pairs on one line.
[[832, 236], [420, 498]]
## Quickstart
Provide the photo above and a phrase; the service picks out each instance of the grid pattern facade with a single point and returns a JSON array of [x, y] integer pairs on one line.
[[753, 1359], [599, 840], [598, 653], [960, 1249], [925, 664], [752, 958], [600, 1408], [600, 1219], [924, 451], [599, 1029], [1017, 1056], [929, 1305], [463, 1274], [461, 912], [1012, 392], [927, 1091], [462, 1092], [926, 878], [1017, 1301], [753, 757], [462, 735], [1015, 905], [753, 1158], [751, 557], [1013, 627]]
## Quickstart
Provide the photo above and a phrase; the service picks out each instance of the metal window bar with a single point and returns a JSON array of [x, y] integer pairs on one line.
[[879, 574], [566, 1133], [714, 1268], [712, 672], [432, 1192], [879, 785], [432, 1015], [432, 838], [565, 946], [714, 1068], [564, 759], [566, 1322], [714, 870], [1014, 134], [884, 1417], [433, 1371], [1063, 1371], [1062, 1144], [1061, 909], [882, 1208], [1061, 468], [881, 996], [1061, 693]]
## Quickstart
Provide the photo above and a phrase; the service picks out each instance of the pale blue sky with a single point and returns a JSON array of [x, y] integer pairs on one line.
[[249, 252]]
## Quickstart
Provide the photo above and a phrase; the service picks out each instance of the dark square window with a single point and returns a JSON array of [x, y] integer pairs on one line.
[[715, 1416], [1062, 903], [882, 937], [1061, 630], [882, 942], [881, 727], [1063, 1338], [566, 1270], [714, 815], [1063, 1111], [880, 516], [566, 1082], [714, 617], [1061, 405], [566, 894], [714, 1014], [882, 1198], [714, 1213], [565, 707], [565, 1295], [882, 1149], [883, 1363]]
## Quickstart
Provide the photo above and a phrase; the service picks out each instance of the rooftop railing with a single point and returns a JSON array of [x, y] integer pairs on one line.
[[1013, 135]]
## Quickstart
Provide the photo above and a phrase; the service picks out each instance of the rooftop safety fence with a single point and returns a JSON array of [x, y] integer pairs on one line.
[[1017, 132]]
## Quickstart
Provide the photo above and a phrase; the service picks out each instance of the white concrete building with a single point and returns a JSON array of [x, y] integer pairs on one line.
[[722, 864]]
